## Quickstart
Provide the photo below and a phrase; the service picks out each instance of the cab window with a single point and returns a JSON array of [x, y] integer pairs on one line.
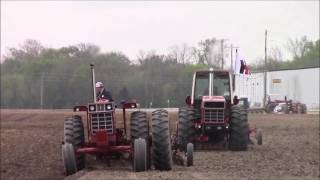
[[201, 86], [221, 85]]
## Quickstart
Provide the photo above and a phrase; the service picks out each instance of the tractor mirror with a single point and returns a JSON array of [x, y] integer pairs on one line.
[[188, 100]]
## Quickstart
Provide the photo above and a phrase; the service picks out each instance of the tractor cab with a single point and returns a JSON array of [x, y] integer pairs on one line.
[[211, 95]]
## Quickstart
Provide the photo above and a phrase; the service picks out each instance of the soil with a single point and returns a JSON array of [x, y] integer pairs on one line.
[[31, 139]]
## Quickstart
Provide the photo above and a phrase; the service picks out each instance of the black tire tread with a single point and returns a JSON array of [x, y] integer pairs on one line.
[[74, 134], [161, 144], [186, 130], [239, 130], [139, 126]]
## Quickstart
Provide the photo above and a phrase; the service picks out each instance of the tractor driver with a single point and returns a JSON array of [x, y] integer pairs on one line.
[[102, 93]]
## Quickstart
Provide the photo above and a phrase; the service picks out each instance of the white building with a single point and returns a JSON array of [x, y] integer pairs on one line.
[[298, 84]]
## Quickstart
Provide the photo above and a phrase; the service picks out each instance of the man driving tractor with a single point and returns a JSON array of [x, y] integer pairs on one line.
[[102, 93]]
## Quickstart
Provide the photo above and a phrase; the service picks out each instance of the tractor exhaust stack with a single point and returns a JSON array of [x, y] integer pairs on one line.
[[93, 83]]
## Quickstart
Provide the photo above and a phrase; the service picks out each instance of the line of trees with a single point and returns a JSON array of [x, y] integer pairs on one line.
[[304, 52], [33, 75]]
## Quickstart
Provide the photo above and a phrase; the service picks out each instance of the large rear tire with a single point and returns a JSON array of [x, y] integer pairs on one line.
[[186, 129], [140, 155], [239, 130], [161, 143], [74, 134], [139, 126]]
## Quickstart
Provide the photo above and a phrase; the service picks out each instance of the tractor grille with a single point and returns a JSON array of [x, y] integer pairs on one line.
[[101, 121], [214, 112]]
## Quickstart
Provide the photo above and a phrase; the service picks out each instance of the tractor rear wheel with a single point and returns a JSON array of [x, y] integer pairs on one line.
[[140, 155], [161, 143], [186, 130], [74, 134], [239, 130], [139, 126]]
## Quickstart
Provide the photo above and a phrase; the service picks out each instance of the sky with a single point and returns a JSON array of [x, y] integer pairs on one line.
[[131, 26]]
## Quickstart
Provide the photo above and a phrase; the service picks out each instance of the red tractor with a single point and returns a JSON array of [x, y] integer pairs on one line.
[[213, 116], [285, 106], [106, 140]]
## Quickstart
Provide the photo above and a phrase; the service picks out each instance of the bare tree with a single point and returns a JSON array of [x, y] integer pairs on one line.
[[276, 54], [28, 50], [298, 47], [181, 54], [32, 47]]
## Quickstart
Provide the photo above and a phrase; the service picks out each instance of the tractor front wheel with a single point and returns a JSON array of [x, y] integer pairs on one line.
[[139, 128], [140, 155], [69, 159], [190, 148], [259, 136], [74, 134], [161, 143]]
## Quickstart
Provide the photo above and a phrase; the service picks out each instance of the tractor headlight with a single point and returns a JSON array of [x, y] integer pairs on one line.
[[109, 106], [92, 108]]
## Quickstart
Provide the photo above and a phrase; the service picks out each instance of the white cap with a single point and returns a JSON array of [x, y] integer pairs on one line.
[[99, 84]]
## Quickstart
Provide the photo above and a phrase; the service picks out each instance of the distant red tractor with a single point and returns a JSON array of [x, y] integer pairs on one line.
[[285, 106], [213, 117], [144, 147]]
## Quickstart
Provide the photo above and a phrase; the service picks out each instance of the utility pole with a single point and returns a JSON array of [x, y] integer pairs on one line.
[[41, 90], [265, 68]]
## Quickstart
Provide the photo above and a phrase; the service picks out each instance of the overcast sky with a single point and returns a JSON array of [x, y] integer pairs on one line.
[[132, 26]]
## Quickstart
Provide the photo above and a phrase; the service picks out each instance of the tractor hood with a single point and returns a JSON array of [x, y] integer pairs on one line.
[[213, 99], [206, 100]]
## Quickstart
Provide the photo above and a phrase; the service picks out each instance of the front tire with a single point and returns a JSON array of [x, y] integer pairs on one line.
[[69, 159], [259, 136], [304, 109], [190, 149], [239, 130], [161, 143], [139, 128], [140, 155], [186, 130], [74, 134]]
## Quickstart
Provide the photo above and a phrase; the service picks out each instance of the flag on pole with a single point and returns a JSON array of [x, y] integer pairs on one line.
[[240, 65]]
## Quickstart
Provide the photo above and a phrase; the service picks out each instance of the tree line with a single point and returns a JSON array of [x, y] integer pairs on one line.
[[34, 76]]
